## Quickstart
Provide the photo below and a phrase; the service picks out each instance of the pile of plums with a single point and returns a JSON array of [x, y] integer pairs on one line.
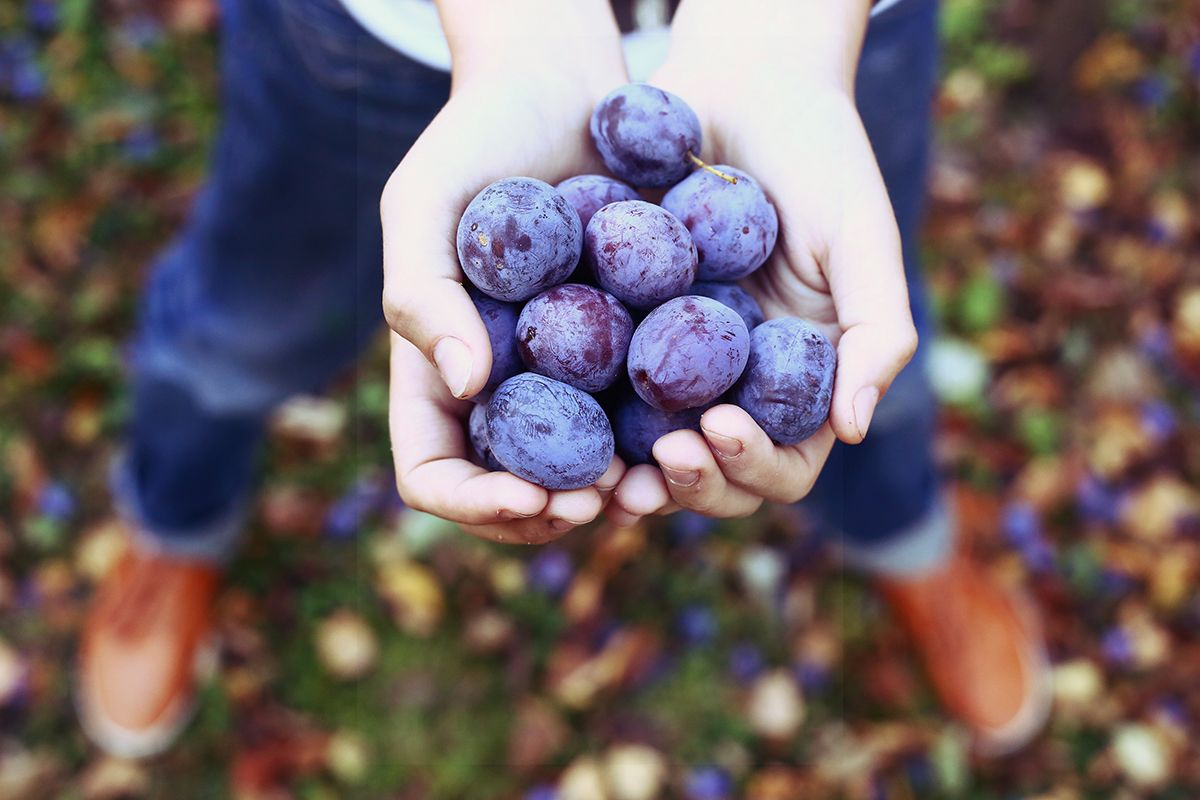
[[614, 321]]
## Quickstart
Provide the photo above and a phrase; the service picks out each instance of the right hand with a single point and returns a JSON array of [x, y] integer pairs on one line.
[[838, 260], [512, 113]]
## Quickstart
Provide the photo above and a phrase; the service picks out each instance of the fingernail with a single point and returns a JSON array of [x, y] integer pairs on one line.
[[864, 407], [726, 446], [681, 477], [562, 525], [453, 360], [509, 514]]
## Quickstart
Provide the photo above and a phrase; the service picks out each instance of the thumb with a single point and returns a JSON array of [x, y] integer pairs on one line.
[[870, 293], [438, 317], [424, 300], [870, 355]]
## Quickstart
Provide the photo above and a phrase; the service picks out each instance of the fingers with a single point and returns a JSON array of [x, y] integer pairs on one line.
[[459, 491], [620, 517], [607, 483], [564, 512], [641, 492], [570, 509], [749, 459], [695, 480], [727, 472]]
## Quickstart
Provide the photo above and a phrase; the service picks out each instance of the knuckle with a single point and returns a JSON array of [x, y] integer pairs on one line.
[[906, 342], [793, 489], [399, 308], [391, 189], [748, 510], [411, 498], [697, 503], [806, 486], [765, 478], [787, 496], [700, 503]]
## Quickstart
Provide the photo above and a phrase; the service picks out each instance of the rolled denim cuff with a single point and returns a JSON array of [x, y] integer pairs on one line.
[[213, 542], [920, 548]]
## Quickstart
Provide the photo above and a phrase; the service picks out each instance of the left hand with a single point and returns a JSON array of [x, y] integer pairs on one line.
[[837, 263], [526, 77]]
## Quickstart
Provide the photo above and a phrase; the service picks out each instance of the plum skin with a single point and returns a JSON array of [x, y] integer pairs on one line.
[[587, 194], [644, 135], [477, 433], [500, 320], [788, 382], [734, 225], [637, 425], [518, 237], [640, 253], [734, 296], [549, 433], [687, 352], [575, 334]]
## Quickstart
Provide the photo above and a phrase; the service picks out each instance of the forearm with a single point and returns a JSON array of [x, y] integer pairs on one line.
[[819, 39], [577, 39]]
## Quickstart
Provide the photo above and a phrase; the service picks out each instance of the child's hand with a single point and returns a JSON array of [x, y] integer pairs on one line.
[[519, 106], [783, 111]]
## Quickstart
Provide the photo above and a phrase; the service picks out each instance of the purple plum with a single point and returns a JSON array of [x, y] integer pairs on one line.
[[734, 225], [518, 237], [788, 382], [645, 134], [587, 194], [549, 433], [640, 253], [477, 433], [687, 352], [575, 334], [500, 319], [734, 296], [637, 426]]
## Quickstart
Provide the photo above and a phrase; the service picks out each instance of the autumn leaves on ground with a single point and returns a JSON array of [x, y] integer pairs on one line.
[[368, 651]]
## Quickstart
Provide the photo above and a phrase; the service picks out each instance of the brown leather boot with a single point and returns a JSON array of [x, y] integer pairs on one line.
[[145, 641], [982, 648]]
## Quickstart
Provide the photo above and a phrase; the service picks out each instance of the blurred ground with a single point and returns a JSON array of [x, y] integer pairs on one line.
[[370, 652]]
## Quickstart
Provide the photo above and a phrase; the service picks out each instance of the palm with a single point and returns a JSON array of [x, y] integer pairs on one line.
[[818, 168]]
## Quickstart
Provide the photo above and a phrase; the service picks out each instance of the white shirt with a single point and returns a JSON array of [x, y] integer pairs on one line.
[[412, 27]]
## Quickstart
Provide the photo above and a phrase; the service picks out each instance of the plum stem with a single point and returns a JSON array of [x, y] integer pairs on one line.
[[709, 168]]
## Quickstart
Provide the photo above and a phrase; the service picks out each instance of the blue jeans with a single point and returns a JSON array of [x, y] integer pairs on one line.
[[880, 500], [273, 287]]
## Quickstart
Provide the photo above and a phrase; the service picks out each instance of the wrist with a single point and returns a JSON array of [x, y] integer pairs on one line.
[[809, 43], [573, 44]]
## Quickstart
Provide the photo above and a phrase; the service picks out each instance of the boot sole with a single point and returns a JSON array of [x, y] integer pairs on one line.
[[136, 744], [1035, 711]]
